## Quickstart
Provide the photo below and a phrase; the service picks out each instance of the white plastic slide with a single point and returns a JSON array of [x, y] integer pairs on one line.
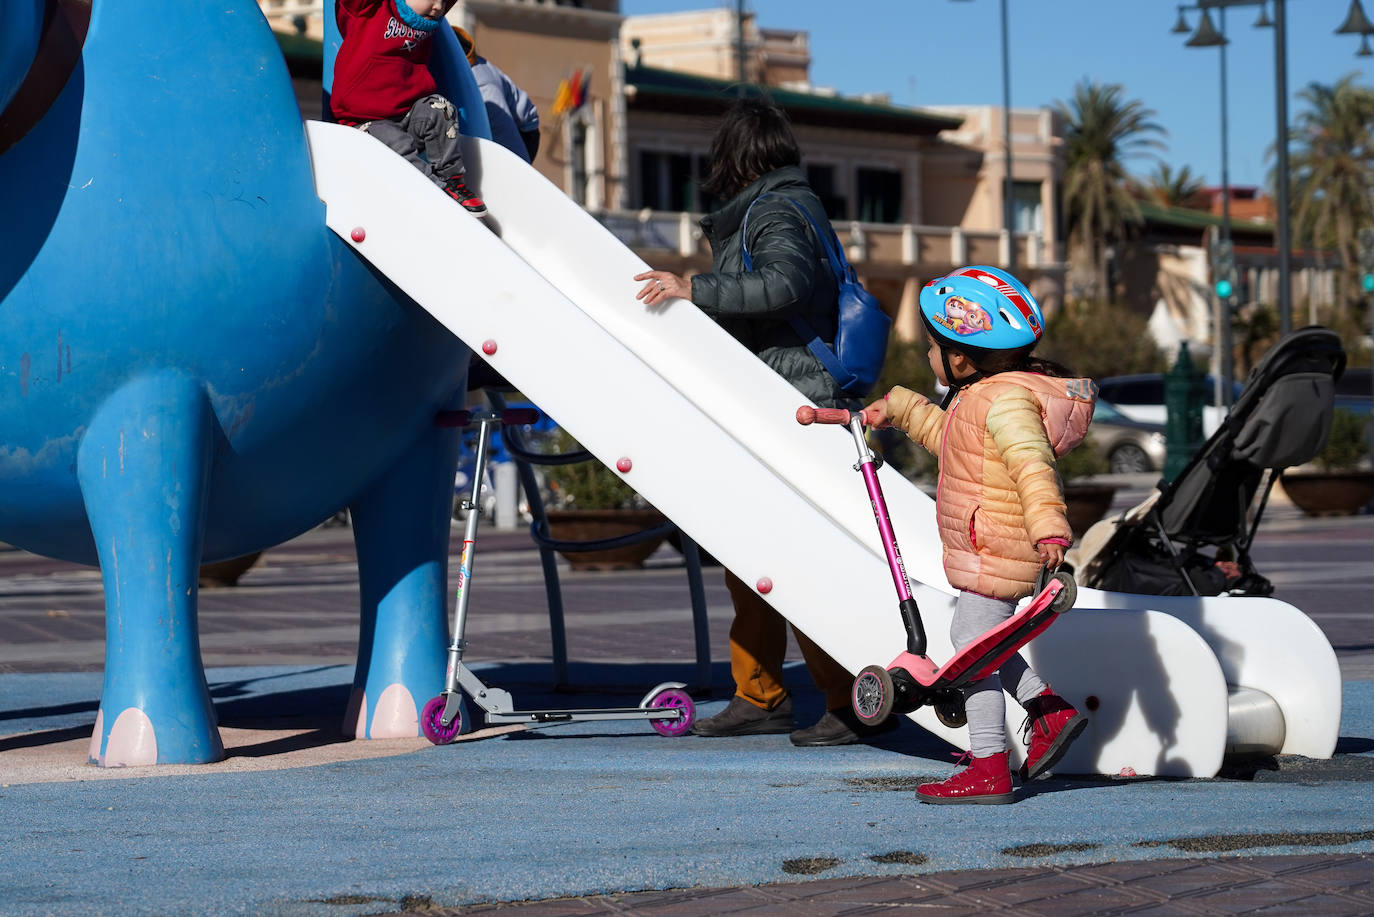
[[712, 441]]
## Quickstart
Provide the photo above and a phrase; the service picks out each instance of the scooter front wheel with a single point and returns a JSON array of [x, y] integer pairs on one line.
[[679, 700], [1067, 596], [432, 722], [872, 695]]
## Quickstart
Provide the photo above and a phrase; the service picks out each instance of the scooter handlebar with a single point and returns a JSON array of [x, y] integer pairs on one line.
[[807, 415], [509, 417], [518, 417]]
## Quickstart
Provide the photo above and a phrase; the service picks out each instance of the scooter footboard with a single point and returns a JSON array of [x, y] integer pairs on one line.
[[986, 654]]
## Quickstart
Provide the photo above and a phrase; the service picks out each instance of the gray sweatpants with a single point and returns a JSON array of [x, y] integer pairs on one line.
[[431, 128], [974, 615]]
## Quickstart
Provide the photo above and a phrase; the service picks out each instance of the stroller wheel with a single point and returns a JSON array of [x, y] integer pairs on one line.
[[432, 722], [1065, 599], [949, 709], [679, 700], [872, 695]]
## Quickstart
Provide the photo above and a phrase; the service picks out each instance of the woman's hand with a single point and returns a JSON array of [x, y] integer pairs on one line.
[[662, 285], [875, 415]]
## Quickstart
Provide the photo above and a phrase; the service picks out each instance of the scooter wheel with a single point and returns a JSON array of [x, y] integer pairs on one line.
[[679, 700], [1067, 596], [872, 695], [432, 722], [950, 711]]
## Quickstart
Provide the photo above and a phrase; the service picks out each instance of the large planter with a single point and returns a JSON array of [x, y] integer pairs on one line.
[[1087, 503], [1329, 493], [597, 524]]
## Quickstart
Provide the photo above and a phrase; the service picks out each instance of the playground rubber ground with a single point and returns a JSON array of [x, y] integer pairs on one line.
[[609, 817]]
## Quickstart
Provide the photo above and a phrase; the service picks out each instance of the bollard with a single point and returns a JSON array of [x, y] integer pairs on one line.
[[507, 487], [1184, 397]]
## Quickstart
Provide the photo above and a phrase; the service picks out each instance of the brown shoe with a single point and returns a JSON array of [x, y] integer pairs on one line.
[[840, 727], [741, 718]]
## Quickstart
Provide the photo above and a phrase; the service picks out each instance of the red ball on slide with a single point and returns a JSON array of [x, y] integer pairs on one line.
[[488, 347]]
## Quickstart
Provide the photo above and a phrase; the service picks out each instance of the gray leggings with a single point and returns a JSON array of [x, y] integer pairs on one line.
[[987, 712], [431, 127]]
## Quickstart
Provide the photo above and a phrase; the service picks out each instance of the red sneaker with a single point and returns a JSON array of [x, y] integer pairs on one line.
[[457, 189], [1051, 725], [986, 782]]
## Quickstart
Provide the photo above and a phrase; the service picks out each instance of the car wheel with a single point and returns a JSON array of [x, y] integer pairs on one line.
[[1128, 458]]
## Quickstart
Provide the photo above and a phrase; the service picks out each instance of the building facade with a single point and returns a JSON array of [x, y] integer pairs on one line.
[[628, 106]]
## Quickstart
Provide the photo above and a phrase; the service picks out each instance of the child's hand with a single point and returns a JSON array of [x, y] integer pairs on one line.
[[1051, 554], [875, 415], [661, 286]]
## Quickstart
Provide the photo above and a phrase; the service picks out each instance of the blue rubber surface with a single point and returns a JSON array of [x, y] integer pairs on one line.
[[589, 807]]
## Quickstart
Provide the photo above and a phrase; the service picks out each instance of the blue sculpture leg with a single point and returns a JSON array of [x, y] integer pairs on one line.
[[143, 467], [401, 529]]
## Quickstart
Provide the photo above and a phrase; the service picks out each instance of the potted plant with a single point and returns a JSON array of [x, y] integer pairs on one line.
[[590, 502], [1338, 482], [1087, 500]]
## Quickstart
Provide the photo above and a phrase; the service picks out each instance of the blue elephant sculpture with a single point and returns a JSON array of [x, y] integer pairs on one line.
[[193, 367]]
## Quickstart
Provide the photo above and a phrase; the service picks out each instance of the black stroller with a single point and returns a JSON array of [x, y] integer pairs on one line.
[[1193, 535]]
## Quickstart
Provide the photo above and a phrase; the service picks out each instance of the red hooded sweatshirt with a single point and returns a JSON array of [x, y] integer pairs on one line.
[[382, 67]]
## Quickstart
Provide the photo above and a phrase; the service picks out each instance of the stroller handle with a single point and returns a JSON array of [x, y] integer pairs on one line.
[[807, 415]]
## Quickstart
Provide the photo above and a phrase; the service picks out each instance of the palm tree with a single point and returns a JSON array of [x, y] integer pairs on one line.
[[1103, 131], [1175, 189], [1332, 171]]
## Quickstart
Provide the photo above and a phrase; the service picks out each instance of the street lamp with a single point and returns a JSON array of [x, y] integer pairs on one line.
[[1008, 183], [1207, 35]]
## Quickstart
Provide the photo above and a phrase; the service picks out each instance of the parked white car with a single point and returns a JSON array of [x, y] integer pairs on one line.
[[1141, 397]]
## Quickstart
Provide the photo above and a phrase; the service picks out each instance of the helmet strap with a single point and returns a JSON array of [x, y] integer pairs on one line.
[[956, 385]]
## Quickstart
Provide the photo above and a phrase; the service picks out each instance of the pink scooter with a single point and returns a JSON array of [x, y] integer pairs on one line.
[[913, 678]]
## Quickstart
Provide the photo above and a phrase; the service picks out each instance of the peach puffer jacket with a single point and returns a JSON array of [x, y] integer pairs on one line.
[[998, 492]]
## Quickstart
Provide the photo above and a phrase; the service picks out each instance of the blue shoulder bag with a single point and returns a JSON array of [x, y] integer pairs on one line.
[[862, 329]]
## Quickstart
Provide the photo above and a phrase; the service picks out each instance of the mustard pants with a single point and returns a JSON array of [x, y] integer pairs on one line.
[[758, 645]]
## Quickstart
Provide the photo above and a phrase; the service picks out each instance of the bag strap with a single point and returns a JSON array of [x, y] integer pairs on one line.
[[835, 257]]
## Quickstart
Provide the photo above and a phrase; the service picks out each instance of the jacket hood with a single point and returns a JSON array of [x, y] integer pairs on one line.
[[1065, 404], [727, 219]]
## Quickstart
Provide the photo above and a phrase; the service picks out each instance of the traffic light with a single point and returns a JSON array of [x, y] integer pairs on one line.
[[1367, 259], [1224, 268]]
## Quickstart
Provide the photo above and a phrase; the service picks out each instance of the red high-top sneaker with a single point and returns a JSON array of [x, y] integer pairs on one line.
[[457, 189], [1051, 725], [986, 782]]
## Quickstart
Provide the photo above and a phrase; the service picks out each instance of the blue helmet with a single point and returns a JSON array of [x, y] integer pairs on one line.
[[980, 308]]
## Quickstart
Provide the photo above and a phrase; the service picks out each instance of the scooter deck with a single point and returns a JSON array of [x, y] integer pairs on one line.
[[985, 655]]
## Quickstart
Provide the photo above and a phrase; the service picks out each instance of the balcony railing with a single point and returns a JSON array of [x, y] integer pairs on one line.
[[875, 246]]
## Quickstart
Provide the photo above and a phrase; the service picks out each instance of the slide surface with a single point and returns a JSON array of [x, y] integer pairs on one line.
[[713, 443]]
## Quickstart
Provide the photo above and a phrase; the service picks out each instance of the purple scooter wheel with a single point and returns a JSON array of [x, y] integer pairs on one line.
[[682, 702], [432, 722]]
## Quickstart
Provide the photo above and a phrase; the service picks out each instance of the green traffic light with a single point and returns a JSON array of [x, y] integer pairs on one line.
[[1224, 288], [1367, 281]]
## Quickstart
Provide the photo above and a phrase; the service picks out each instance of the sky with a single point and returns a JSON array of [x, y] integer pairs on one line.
[[948, 52]]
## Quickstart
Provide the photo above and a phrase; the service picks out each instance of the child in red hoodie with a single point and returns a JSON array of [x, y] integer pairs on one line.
[[382, 85]]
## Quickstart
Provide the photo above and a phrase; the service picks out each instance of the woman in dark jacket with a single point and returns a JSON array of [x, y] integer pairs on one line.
[[754, 157]]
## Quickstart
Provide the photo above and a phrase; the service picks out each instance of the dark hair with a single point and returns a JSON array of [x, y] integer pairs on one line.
[[754, 138]]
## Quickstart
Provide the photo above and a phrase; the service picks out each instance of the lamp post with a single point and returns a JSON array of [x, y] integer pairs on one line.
[[1008, 182], [1209, 37], [1279, 23]]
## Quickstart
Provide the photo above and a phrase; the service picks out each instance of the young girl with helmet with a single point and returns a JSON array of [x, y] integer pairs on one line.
[[998, 501]]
